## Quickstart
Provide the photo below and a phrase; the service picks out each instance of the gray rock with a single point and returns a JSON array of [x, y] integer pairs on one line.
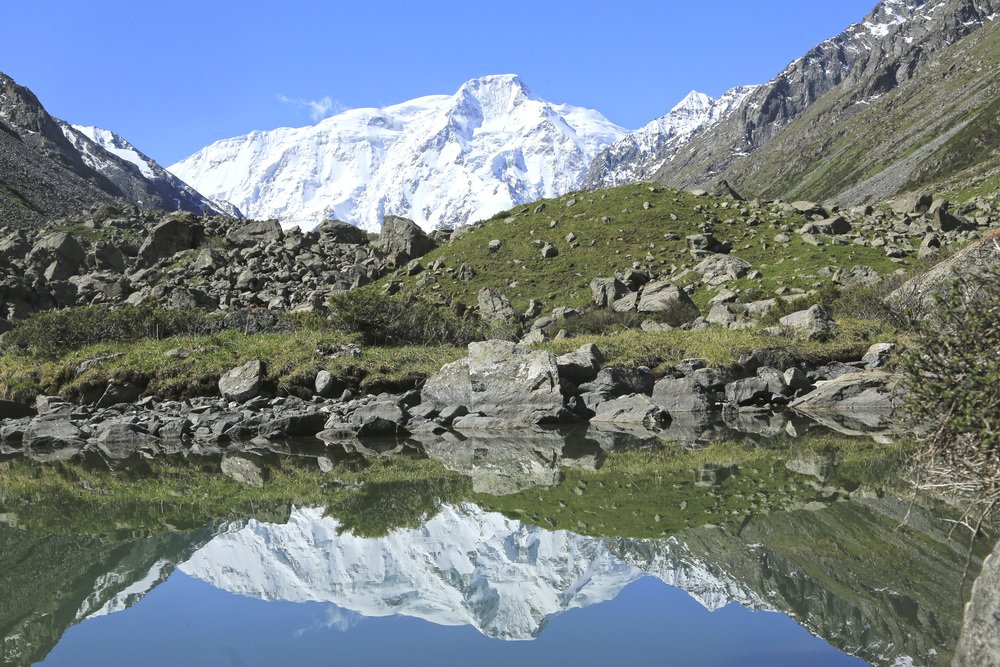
[[677, 395], [605, 291], [627, 303], [614, 382], [383, 418], [814, 323], [115, 394], [51, 439], [402, 240], [979, 644], [580, 365], [254, 232], [549, 251], [829, 227], [495, 306], [795, 379], [864, 391], [243, 382], [119, 440], [748, 392], [668, 300], [296, 425], [452, 412], [718, 268], [336, 231], [178, 231], [631, 409], [877, 355], [324, 384], [503, 380]]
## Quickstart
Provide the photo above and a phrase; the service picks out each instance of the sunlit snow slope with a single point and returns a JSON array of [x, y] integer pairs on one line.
[[440, 160]]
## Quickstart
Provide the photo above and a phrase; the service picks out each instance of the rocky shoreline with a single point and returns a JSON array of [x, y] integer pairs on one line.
[[499, 387]]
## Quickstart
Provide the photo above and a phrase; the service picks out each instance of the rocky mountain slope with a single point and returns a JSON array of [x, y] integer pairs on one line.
[[439, 160], [48, 168], [895, 101], [640, 154]]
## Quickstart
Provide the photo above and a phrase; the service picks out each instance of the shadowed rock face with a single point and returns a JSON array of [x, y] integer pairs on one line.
[[50, 169]]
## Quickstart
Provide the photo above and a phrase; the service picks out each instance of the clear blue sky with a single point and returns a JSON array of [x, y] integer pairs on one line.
[[175, 75]]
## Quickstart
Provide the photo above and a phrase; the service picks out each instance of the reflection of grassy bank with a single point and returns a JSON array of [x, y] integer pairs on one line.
[[657, 493], [647, 493], [371, 498]]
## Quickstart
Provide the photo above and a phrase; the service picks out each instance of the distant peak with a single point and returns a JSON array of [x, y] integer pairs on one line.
[[693, 101], [505, 81]]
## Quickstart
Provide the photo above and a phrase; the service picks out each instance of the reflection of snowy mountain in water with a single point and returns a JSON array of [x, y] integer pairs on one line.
[[463, 567]]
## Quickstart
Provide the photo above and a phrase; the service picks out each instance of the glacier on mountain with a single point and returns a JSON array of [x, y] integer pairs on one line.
[[441, 160], [465, 566]]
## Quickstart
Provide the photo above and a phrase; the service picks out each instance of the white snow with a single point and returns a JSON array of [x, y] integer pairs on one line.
[[465, 566], [116, 145], [440, 159]]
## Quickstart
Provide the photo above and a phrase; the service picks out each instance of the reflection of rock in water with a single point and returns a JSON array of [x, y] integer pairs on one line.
[[503, 462]]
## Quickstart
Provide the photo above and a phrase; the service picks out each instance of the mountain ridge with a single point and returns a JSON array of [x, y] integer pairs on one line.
[[441, 160], [49, 168]]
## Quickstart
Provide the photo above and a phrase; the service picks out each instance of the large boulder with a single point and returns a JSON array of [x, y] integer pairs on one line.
[[717, 268], [495, 306], [120, 440], [335, 231], [177, 232], [501, 379], [814, 323], [614, 382], [605, 291], [979, 643], [254, 232], [668, 300], [52, 439], [383, 418], [864, 391], [243, 382], [632, 409], [580, 365], [402, 240], [677, 395], [920, 293], [62, 254]]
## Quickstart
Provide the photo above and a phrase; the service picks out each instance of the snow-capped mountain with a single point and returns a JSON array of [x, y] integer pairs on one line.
[[439, 160], [465, 566], [639, 154], [170, 187]]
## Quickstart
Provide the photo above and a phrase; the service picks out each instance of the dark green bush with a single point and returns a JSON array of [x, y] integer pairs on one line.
[[597, 322], [53, 333], [953, 372], [385, 320]]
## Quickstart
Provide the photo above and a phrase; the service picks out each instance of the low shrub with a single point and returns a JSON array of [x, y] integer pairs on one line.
[[53, 333], [952, 372], [389, 321]]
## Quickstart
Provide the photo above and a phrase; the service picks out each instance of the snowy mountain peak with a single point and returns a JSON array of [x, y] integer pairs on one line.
[[694, 102], [640, 154], [440, 160]]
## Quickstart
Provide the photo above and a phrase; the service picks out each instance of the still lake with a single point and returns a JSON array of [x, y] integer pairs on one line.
[[536, 548]]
